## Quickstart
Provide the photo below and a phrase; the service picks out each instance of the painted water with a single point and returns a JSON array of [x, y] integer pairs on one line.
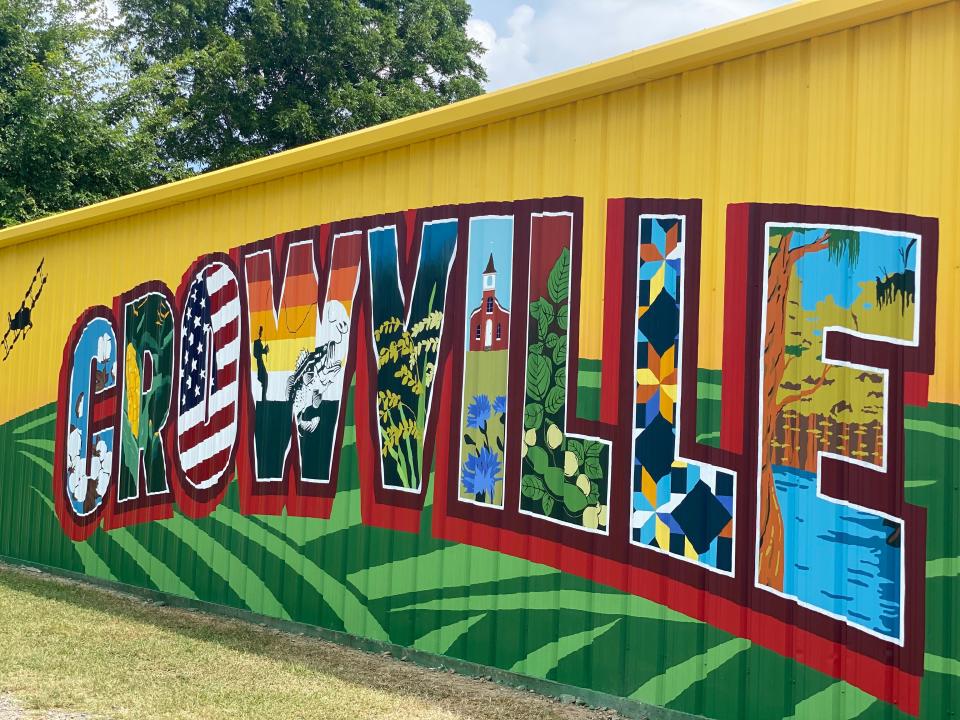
[[838, 558]]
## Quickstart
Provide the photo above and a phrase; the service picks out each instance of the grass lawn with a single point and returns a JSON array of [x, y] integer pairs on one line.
[[80, 648]]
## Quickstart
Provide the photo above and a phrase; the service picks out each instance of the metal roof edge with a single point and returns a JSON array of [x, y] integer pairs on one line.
[[791, 23]]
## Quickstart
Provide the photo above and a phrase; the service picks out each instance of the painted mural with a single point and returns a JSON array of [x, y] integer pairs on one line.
[[565, 476], [487, 349], [386, 426], [679, 507], [407, 343], [146, 392], [830, 554], [87, 481]]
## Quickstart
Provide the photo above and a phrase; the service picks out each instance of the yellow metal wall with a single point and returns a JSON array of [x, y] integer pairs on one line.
[[866, 117]]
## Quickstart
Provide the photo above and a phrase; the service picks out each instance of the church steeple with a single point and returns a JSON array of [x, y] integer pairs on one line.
[[489, 321], [490, 275]]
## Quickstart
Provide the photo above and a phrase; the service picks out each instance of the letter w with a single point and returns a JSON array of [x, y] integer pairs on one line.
[[298, 362]]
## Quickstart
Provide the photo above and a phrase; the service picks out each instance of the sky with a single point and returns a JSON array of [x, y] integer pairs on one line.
[[531, 39], [880, 256]]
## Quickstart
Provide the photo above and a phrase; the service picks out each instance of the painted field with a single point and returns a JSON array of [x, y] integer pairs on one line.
[[475, 604]]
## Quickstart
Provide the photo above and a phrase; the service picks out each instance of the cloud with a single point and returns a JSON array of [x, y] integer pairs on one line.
[[508, 58], [568, 33], [104, 348]]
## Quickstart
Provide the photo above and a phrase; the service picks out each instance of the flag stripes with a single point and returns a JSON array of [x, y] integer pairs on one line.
[[209, 363]]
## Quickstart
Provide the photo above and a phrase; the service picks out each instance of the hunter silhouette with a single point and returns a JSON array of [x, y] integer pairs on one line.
[[260, 350]]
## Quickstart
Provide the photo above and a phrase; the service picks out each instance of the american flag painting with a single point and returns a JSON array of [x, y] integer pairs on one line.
[[209, 358]]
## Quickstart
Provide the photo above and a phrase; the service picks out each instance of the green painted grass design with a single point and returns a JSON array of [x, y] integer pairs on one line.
[[838, 701], [933, 428], [666, 688], [545, 658], [44, 464], [441, 639], [33, 424], [448, 567], [942, 665], [594, 603], [355, 616], [943, 568], [475, 604], [41, 443], [92, 564], [242, 580], [162, 577]]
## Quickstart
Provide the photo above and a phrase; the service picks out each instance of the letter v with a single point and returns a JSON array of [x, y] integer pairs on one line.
[[405, 282]]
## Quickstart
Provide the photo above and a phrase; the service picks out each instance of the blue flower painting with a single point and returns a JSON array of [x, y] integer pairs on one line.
[[481, 473], [483, 444], [479, 412]]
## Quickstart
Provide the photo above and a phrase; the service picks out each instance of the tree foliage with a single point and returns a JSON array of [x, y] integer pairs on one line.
[[91, 109], [62, 143], [224, 81]]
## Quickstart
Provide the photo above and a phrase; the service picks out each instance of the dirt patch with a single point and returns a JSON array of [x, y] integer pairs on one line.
[[10, 709]]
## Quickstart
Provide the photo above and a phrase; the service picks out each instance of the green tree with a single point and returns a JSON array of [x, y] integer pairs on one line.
[[224, 81], [63, 143]]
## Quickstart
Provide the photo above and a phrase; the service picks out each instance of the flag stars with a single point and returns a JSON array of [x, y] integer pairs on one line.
[[197, 379], [201, 382]]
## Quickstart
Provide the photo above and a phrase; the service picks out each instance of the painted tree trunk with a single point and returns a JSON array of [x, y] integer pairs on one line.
[[774, 364]]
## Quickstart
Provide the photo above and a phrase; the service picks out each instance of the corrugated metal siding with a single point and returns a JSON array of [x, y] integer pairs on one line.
[[865, 117], [862, 118]]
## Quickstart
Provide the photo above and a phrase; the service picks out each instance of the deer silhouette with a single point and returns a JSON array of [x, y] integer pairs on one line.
[[884, 288], [899, 285]]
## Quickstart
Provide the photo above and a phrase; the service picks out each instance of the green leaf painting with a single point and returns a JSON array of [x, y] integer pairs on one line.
[[570, 473], [555, 399], [532, 486], [542, 312], [559, 279], [533, 416], [539, 370]]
